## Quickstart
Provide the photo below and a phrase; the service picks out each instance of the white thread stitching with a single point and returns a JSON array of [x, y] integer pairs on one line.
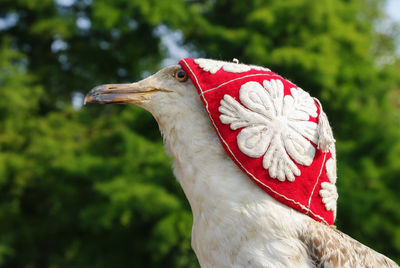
[[242, 77], [274, 125], [329, 195], [237, 161], [330, 167], [213, 66], [328, 190], [252, 176], [316, 183]]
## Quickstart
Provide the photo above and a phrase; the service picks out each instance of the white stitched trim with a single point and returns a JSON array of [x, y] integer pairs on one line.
[[308, 211], [325, 140], [328, 190], [274, 126], [329, 196], [242, 77], [331, 170], [316, 182], [213, 66]]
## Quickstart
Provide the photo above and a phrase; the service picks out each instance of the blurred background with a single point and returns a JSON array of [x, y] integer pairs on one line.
[[92, 187]]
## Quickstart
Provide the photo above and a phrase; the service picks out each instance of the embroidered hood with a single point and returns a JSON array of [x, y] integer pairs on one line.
[[273, 130]]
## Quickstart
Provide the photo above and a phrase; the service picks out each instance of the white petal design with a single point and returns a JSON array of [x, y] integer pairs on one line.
[[207, 65], [213, 66], [274, 126], [329, 196], [278, 163], [254, 96], [303, 102], [254, 141], [233, 113], [299, 148], [305, 128], [258, 68], [331, 170], [275, 90], [235, 67]]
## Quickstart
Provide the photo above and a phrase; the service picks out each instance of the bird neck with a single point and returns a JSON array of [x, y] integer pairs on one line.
[[228, 208], [205, 172], [208, 176]]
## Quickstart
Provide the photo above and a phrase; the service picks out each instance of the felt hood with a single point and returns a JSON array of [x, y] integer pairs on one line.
[[274, 131]]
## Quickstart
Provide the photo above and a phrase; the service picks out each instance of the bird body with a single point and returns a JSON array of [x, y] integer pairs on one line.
[[235, 223], [225, 232]]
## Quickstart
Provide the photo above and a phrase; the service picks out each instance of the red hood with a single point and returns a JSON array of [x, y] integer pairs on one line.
[[271, 130]]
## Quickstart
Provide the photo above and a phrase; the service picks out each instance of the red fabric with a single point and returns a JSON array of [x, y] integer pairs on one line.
[[303, 193]]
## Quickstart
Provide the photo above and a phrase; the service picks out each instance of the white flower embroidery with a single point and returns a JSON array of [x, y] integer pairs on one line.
[[331, 170], [328, 190], [329, 196], [274, 125], [213, 66]]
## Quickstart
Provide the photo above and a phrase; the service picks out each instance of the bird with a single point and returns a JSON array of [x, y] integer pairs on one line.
[[255, 157]]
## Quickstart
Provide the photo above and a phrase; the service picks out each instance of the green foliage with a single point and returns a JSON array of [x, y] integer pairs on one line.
[[92, 187]]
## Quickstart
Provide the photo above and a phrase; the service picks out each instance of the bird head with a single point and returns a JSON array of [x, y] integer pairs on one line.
[[274, 131]]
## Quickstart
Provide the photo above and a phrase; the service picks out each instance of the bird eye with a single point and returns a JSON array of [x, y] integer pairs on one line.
[[181, 75]]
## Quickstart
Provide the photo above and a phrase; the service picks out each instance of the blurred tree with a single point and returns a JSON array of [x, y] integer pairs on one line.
[[89, 187], [92, 187]]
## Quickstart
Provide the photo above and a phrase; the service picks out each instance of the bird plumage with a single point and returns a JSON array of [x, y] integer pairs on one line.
[[328, 247], [235, 223]]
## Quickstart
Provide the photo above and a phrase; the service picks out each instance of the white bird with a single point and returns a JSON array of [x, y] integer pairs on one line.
[[235, 222]]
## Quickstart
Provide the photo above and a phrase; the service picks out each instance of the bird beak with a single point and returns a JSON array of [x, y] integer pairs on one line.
[[134, 93]]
